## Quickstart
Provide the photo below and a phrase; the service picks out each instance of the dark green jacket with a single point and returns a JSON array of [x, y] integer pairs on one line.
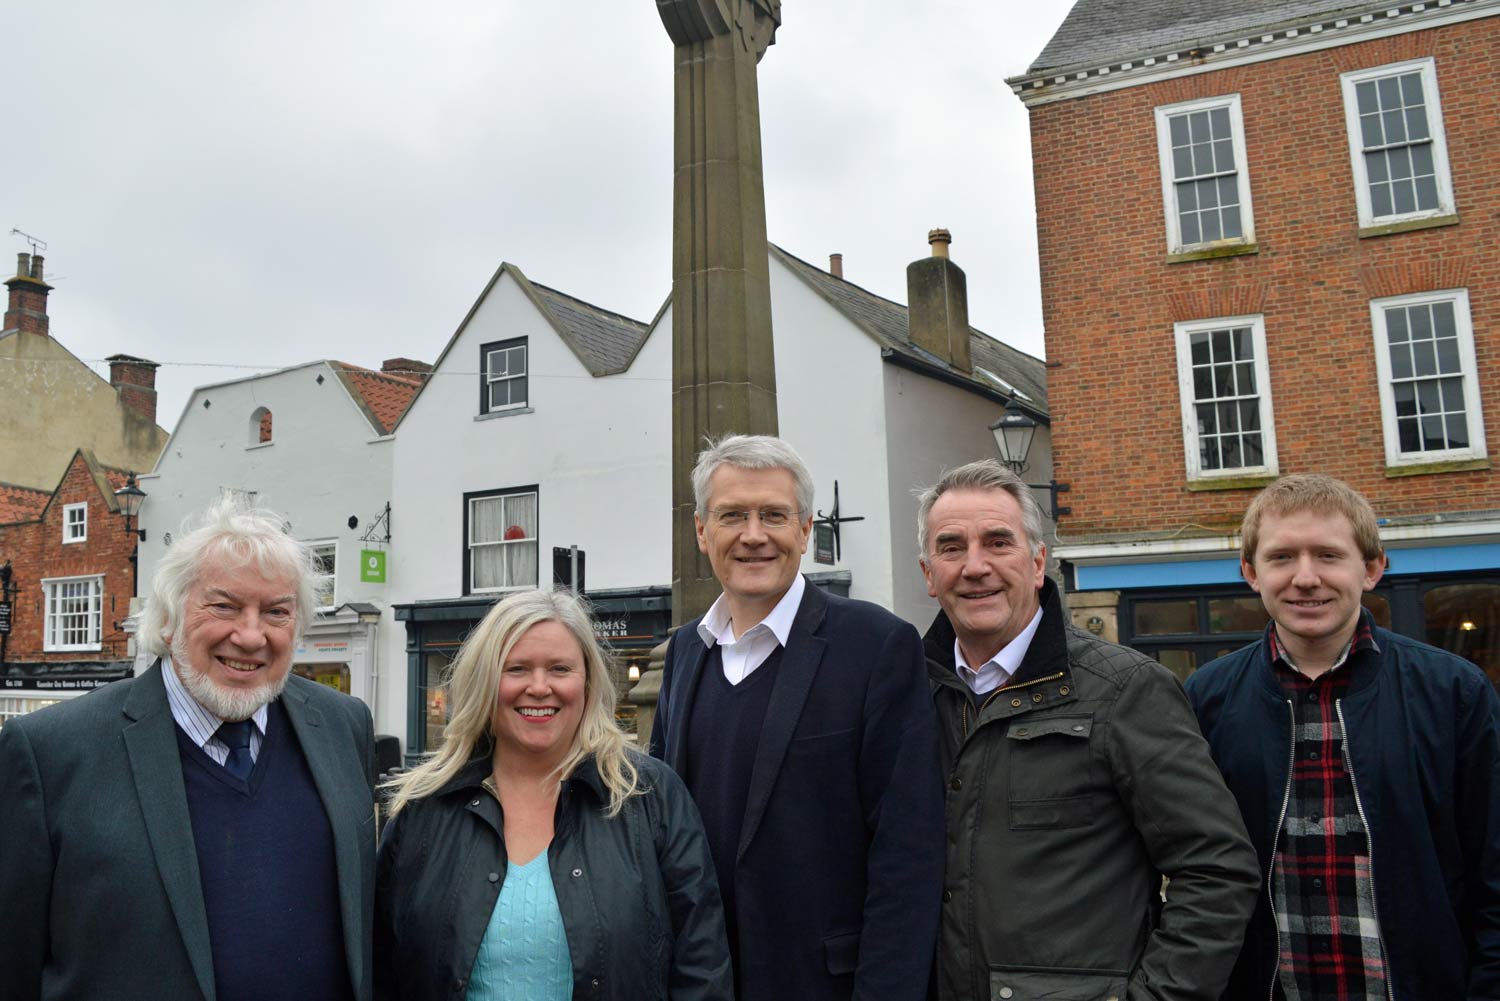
[[637, 891], [1071, 792]]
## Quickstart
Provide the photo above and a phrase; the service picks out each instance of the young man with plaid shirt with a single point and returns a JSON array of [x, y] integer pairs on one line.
[[1367, 768]]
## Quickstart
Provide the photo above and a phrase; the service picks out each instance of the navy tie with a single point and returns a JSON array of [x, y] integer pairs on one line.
[[236, 736]]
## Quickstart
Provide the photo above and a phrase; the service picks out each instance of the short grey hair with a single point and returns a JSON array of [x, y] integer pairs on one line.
[[986, 474], [751, 451], [230, 533]]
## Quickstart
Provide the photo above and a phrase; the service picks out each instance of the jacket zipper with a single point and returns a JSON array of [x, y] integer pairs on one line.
[[1338, 707], [963, 713], [1286, 798]]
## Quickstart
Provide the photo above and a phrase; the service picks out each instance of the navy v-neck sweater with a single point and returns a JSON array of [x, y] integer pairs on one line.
[[270, 882]]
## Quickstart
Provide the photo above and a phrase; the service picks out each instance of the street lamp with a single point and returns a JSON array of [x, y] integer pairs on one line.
[[130, 497], [1013, 434]]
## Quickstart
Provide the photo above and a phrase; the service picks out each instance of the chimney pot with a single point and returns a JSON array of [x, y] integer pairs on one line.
[[836, 265], [938, 240], [36, 266], [23, 265]]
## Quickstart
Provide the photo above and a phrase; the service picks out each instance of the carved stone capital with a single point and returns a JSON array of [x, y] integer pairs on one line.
[[753, 22]]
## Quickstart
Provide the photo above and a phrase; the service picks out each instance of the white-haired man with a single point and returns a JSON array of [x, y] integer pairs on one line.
[[802, 725], [204, 830], [1076, 779]]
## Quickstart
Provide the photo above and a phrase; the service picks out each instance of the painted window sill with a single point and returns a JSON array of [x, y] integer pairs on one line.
[[1432, 468], [1213, 252], [1253, 481], [492, 415], [1407, 226], [259, 444]]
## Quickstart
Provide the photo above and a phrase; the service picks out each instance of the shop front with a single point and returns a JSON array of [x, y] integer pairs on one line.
[[28, 686], [629, 622]]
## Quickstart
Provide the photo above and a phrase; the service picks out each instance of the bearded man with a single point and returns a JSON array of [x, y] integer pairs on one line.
[[206, 829]]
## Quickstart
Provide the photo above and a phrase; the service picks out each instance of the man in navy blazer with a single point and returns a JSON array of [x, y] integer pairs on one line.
[[205, 830], [803, 725]]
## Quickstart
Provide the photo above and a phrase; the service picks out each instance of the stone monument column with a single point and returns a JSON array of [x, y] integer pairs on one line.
[[723, 372]]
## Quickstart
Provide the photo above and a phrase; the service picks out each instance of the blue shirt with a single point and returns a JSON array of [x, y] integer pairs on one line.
[[524, 953]]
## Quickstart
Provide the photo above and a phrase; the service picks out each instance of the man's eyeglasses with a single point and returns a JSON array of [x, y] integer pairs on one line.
[[770, 517]]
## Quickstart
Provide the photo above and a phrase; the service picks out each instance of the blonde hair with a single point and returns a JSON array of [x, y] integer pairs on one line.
[[1320, 494], [474, 683]]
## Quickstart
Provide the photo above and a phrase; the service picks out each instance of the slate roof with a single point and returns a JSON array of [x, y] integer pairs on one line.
[[605, 342], [1101, 31], [885, 321], [21, 503], [384, 396]]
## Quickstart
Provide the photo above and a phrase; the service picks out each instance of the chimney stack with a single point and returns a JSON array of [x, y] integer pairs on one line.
[[836, 265], [406, 368], [27, 310], [937, 310], [134, 379]]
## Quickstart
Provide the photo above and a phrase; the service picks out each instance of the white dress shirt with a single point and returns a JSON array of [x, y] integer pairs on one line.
[[743, 655], [997, 670], [199, 724]]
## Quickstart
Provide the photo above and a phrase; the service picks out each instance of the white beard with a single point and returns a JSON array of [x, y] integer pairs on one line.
[[229, 704]]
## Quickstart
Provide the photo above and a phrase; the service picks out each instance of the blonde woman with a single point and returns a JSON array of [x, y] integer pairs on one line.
[[535, 855]]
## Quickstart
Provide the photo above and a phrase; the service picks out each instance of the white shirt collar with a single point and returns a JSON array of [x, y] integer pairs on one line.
[[715, 626], [998, 669]]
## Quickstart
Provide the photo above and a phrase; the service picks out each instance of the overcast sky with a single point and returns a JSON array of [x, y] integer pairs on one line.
[[266, 183]]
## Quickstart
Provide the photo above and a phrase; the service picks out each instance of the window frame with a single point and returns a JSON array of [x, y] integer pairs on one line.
[[1163, 114], [52, 627], [332, 578], [83, 523], [468, 544], [485, 381], [1442, 172], [1182, 333], [1469, 374]]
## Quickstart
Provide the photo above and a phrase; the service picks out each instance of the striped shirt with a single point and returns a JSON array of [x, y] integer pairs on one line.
[[1323, 893], [201, 725]]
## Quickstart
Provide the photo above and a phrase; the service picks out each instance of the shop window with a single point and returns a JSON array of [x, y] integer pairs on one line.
[[1237, 615], [1165, 617], [435, 698], [1465, 619], [1380, 608], [12, 706], [335, 676], [325, 574]]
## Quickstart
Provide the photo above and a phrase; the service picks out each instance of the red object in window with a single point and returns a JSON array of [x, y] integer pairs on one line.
[[514, 532]]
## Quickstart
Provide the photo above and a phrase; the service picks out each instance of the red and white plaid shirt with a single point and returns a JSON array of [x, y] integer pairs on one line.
[[1322, 888]]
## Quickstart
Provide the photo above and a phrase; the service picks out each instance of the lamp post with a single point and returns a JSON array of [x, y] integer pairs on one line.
[[130, 497], [1013, 434]]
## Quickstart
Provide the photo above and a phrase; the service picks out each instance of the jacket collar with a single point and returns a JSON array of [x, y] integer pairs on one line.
[[470, 777], [1047, 655], [1362, 664]]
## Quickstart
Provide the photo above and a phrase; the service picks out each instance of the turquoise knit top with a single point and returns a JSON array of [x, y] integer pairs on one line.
[[524, 953]]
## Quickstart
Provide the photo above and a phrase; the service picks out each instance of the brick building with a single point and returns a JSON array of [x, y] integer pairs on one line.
[[72, 578], [1270, 243]]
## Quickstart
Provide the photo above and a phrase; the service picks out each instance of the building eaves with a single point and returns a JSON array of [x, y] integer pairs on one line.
[[885, 322], [1107, 44]]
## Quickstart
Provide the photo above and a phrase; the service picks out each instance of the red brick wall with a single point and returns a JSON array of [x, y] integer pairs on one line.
[[36, 551], [1110, 297]]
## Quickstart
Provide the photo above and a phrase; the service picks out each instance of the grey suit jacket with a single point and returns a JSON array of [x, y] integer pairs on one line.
[[98, 873]]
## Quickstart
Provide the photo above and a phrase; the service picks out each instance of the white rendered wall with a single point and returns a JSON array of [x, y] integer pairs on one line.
[[831, 408], [596, 448], [324, 463]]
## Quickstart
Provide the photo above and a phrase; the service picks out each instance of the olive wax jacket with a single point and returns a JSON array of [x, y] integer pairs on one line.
[[1072, 790]]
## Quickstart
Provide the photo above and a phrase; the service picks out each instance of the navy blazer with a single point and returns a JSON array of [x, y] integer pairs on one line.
[[98, 870], [838, 877]]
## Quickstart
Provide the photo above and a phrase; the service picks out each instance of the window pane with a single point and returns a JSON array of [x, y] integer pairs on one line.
[[500, 394], [1219, 120], [1369, 130], [1389, 89], [1411, 89], [1177, 125], [1407, 433], [484, 519], [521, 563], [495, 364], [1432, 434], [1207, 422], [1223, 380], [1401, 361], [1395, 126], [1229, 452], [487, 566], [1208, 454], [1180, 662], [1405, 197], [1182, 162], [1221, 340], [1223, 155], [1249, 415], [1154, 618], [1465, 619], [1458, 431], [1236, 615], [1375, 166], [1203, 386], [1364, 97], [1379, 607], [1199, 345], [1190, 232], [1416, 124], [1211, 229], [1232, 227], [1424, 357], [1253, 449], [1198, 126], [1244, 379], [1229, 192], [1395, 324]]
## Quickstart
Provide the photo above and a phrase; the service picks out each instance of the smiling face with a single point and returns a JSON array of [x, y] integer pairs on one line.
[[981, 570], [754, 563], [1310, 575], [540, 702], [233, 649]]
